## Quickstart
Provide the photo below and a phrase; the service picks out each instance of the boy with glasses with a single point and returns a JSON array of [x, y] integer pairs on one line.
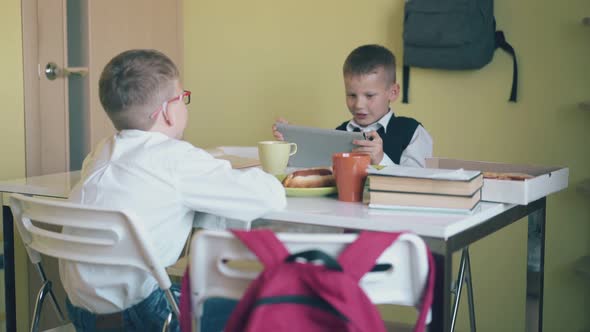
[[146, 168]]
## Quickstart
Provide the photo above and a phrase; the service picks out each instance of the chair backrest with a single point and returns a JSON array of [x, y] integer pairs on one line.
[[90, 234], [212, 273]]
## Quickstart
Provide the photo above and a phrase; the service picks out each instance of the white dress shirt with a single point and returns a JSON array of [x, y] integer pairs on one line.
[[163, 181], [416, 152]]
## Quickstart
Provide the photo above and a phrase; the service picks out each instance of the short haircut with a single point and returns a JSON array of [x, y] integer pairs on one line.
[[367, 59], [133, 85]]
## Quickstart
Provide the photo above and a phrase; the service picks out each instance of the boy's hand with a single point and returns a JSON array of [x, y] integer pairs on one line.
[[373, 145], [275, 132]]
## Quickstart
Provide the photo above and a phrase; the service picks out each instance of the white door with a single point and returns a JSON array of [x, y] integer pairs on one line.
[[63, 115]]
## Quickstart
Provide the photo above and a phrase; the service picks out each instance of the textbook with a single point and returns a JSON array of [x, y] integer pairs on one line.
[[425, 180], [383, 199]]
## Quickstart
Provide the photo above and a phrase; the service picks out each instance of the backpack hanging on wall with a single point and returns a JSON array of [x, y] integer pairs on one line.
[[452, 34]]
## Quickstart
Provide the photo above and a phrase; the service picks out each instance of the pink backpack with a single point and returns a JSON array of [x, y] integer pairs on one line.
[[290, 295]]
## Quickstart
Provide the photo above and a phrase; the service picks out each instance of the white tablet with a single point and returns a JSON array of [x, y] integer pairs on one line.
[[315, 146]]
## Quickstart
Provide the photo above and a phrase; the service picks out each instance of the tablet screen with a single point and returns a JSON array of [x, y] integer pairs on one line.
[[315, 146]]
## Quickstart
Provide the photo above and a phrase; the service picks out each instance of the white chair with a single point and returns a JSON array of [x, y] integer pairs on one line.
[[104, 237], [216, 257]]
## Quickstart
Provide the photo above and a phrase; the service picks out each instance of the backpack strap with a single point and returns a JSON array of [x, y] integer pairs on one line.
[[427, 296], [503, 44], [405, 83], [265, 245], [500, 43], [185, 319], [359, 257]]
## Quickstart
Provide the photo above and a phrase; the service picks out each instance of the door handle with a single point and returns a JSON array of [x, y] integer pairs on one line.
[[52, 71]]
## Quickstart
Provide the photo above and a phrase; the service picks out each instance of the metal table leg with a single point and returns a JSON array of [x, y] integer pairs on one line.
[[535, 268], [470, 301], [441, 306], [536, 212], [464, 276], [9, 282]]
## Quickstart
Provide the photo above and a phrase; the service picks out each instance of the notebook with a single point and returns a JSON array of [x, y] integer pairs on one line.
[[315, 146]]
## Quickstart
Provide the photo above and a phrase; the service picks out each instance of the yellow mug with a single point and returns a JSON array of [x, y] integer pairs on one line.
[[274, 155]]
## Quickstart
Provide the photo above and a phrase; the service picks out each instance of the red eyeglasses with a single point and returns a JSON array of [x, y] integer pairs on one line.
[[185, 96]]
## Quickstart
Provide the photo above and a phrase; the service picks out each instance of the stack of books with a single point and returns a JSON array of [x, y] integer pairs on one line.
[[423, 188]]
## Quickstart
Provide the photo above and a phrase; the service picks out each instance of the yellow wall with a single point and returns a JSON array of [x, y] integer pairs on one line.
[[12, 128], [250, 61]]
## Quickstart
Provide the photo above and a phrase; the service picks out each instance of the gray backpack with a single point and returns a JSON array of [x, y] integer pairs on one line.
[[452, 34]]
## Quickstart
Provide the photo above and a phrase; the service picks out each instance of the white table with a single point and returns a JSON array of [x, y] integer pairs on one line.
[[444, 233], [328, 211]]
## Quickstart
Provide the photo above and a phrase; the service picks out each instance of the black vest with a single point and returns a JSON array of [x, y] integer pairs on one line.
[[400, 131]]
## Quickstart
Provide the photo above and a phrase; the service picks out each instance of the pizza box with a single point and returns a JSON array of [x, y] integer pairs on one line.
[[546, 179]]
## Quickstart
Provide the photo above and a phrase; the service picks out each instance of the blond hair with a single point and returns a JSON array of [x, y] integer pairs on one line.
[[367, 59], [133, 85]]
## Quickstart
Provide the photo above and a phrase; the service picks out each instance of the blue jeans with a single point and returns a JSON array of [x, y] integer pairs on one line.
[[216, 312], [147, 315]]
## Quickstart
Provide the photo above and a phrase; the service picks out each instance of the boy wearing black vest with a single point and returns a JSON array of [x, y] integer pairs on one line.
[[370, 85]]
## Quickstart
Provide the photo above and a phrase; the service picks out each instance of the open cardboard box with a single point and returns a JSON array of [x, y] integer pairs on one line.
[[546, 180]]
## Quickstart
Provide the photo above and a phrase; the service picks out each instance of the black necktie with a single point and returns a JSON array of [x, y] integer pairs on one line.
[[356, 129]]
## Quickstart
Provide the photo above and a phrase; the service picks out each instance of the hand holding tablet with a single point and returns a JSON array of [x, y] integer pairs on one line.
[[315, 146]]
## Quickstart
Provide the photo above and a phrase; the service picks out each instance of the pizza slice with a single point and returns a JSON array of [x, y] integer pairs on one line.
[[507, 176]]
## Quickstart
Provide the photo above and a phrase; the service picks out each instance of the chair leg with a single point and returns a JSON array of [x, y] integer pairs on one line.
[[39, 305], [55, 306], [54, 303], [172, 302], [464, 275], [167, 323], [175, 312]]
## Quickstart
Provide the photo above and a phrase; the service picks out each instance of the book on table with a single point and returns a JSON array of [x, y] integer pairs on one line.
[[423, 188], [425, 180], [391, 199]]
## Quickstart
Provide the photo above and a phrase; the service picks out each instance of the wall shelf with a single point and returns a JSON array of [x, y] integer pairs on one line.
[[584, 187], [582, 266], [585, 105]]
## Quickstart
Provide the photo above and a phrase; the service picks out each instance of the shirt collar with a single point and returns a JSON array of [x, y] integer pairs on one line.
[[382, 123], [132, 133]]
